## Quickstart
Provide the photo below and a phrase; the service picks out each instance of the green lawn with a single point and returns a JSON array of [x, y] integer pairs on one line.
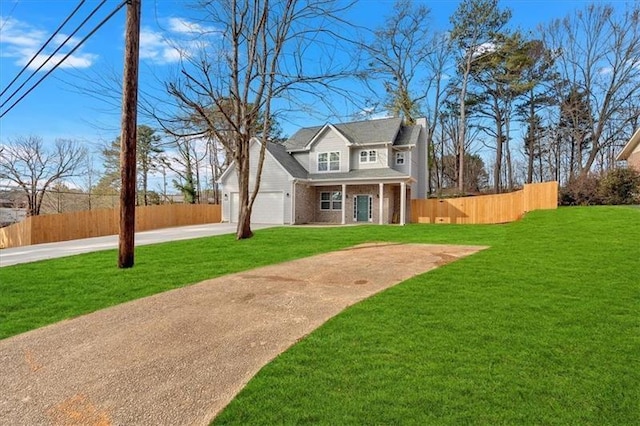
[[542, 328]]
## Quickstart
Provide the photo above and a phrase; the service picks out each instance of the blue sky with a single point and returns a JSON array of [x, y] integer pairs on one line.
[[54, 109]]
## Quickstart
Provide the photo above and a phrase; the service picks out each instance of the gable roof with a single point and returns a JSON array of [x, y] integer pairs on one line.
[[289, 163], [367, 132], [281, 157], [629, 147], [408, 136]]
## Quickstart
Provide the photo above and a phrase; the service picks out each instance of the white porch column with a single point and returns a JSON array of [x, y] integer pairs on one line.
[[403, 203], [344, 203], [380, 204]]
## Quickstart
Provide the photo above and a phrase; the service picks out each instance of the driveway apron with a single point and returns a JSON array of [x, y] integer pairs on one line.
[[179, 357]]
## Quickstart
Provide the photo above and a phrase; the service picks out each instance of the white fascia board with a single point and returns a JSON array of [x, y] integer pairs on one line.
[[360, 181], [327, 126], [629, 147]]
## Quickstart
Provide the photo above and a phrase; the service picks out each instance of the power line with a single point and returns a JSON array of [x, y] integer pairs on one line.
[[52, 54], [93, 12], [104, 21], [43, 46], [8, 17]]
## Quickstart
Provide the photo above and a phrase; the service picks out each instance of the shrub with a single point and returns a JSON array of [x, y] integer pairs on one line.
[[581, 191], [620, 186]]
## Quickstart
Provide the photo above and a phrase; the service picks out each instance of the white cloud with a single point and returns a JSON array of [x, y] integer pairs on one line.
[[483, 49], [20, 41], [155, 47], [181, 39], [369, 113], [605, 70], [182, 26]]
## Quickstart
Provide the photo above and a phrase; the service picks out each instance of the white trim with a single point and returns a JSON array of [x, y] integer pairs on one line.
[[344, 203], [330, 201], [367, 157], [318, 154], [359, 181], [403, 203], [319, 134], [629, 147], [369, 207], [380, 203], [293, 202]]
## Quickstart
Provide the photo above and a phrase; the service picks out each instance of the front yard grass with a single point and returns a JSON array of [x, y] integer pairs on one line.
[[542, 328]]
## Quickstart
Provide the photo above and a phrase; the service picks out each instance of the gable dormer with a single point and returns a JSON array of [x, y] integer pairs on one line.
[[329, 151], [342, 147]]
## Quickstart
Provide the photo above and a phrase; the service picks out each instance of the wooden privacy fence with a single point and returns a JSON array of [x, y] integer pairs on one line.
[[97, 223], [498, 208]]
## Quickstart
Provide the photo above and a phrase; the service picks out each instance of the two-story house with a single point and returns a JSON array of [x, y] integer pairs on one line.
[[357, 172]]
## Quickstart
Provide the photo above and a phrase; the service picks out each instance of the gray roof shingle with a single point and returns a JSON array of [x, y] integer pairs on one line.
[[383, 173], [367, 132], [408, 136], [287, 161], [388, 130]]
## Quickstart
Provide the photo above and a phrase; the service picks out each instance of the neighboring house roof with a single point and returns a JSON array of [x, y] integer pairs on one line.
[[629, 147], [369, 132]]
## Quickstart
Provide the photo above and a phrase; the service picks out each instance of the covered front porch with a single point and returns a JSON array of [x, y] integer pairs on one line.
[[352, 202]]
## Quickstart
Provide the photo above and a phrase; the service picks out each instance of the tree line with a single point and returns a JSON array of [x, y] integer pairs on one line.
[[554, 103], [504, 106]]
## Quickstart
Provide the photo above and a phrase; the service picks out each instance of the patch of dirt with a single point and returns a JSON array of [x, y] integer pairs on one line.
[[445, 258], [180, 356]]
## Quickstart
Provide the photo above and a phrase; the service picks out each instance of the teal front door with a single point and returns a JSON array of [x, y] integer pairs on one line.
[[362, 208]]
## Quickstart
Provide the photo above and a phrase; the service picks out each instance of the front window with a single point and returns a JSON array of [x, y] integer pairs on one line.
[[368, 156], [329, 161], [399, 158], [331, 200]]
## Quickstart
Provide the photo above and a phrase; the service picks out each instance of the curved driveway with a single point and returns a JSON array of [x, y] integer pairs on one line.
[[177, 358]]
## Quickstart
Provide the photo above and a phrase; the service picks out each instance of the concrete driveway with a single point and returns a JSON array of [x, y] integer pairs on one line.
[[177, 358], [13, 256]]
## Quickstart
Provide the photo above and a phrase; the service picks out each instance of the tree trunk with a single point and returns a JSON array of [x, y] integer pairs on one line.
[[530, 160], [244, 223], [508, 153], [462, 123], [244, 214], [497, 167]]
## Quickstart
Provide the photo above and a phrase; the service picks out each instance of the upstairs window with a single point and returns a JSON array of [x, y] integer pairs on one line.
[[399, 158], [329, 161], [368, 156]]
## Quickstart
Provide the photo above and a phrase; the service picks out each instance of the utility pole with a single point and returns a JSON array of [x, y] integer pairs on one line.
[[128, 136]]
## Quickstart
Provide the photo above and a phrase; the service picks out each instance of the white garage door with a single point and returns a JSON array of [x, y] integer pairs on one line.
[[268, 208]]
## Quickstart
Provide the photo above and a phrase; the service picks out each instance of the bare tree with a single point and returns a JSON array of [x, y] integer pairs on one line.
[[397, 53], [599, 57], [184, 160], [28, 164], [435, 89], [263, 53]]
